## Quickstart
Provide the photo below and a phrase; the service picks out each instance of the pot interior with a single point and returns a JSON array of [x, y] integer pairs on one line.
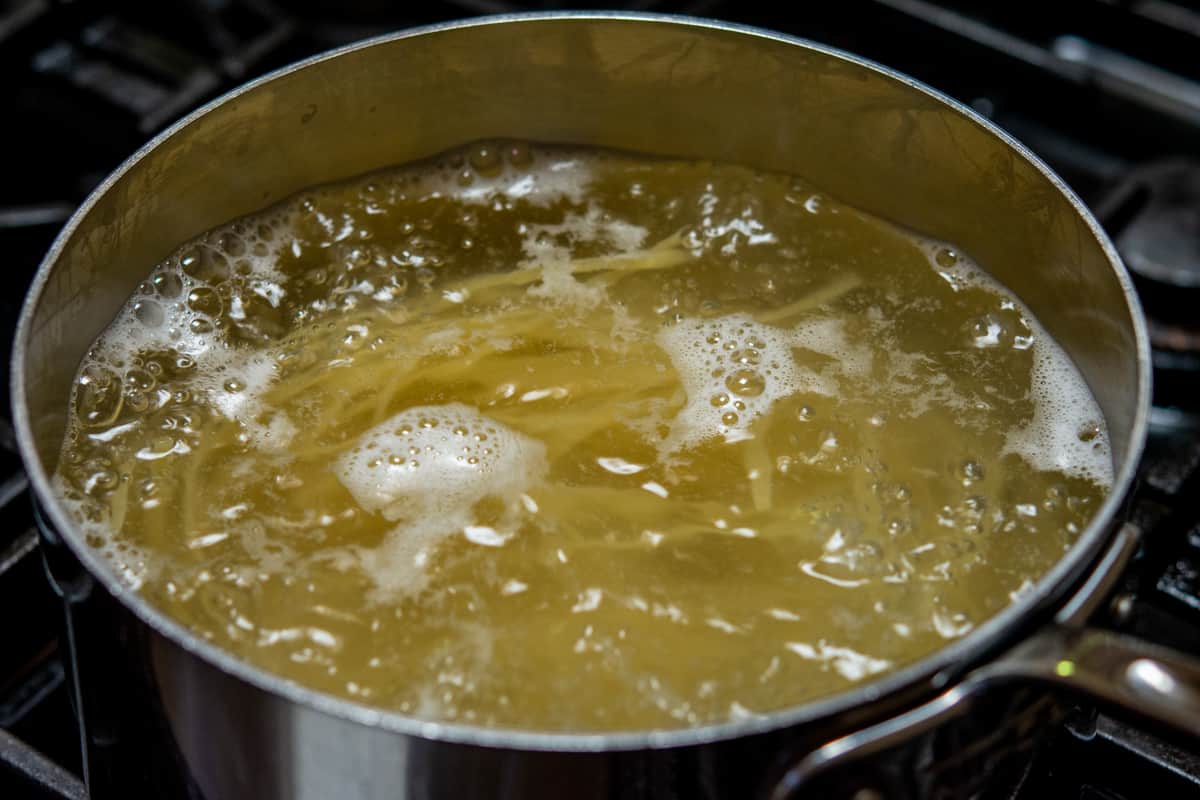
[[653, 85]]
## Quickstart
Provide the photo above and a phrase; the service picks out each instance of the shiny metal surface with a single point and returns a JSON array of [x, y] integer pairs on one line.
[[21, 757], [648, 83]]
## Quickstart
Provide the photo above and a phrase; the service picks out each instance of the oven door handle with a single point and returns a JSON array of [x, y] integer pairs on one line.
[[1114, 669]]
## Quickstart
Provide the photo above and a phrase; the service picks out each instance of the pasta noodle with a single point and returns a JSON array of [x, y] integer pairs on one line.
[[578, 440]]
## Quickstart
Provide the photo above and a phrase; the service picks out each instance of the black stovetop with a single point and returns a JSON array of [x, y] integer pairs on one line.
[[1106, 91]]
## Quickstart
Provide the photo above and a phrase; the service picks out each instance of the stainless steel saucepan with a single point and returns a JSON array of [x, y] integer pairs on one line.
[[221, 728]]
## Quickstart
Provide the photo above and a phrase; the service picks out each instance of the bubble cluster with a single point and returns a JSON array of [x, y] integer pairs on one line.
[[700, 441], [429, 460], [735, 368], [426, 468], [1066, 432], [486, 177]]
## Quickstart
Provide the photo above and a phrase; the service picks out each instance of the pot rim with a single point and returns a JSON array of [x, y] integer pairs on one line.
[[936, 669]]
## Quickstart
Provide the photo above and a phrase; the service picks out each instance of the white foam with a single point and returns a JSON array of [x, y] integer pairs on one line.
[[172, 320], [827, 336], [550, 180], [1062, 408], [252, 371], [275, 436], [426, 467], [560, 286], [705, 353], [549, 246], [959, 272], [594, 225]]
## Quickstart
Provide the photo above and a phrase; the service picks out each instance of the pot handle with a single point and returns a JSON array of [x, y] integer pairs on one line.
[[1112, 668]]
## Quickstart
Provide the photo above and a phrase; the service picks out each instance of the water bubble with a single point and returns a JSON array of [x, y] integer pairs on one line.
[[485, 159], [234, 385], [519, 155], [200, 325], [137, 402], [190, 259], [149, 313], [729, 418], [99, 396], [805, 413], [232, 244], [205, 264], [989, 331], [747, 357], [167, 284], [945, 257], [205, 300], [746, 383], [719, 400], [139, 380], [1089, 431]]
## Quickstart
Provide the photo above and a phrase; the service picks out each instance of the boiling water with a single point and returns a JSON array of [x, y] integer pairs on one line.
[[561, 439]]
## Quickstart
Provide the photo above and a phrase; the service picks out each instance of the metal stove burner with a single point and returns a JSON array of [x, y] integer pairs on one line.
[[1156, 210], [93, 81], [1153, 214]]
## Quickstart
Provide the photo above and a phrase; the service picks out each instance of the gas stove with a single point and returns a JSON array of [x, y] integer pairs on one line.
[[1106, 91]]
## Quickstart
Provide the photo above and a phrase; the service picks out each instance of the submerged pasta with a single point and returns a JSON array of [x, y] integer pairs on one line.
[[563, 439]]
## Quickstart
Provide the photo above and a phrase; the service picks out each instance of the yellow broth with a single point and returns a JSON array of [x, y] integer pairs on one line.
[[560, 439]]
